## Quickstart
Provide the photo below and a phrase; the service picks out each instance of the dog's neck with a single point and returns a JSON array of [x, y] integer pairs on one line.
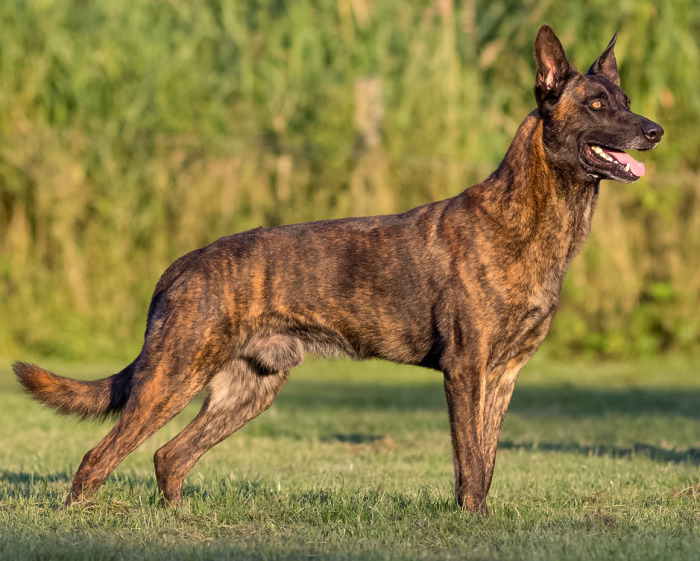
[[529, 200], [529, 177]]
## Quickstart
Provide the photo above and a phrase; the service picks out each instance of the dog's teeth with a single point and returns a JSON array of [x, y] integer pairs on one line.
[[627, 167], [603, 154]]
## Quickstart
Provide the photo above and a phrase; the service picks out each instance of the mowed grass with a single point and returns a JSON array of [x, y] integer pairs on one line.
[[353, 461]]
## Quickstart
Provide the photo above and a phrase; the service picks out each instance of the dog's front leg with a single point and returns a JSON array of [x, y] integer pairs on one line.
[[464, 390], [499, 390]]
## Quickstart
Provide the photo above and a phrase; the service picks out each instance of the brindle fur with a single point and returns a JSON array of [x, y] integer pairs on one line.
[[468, 286]]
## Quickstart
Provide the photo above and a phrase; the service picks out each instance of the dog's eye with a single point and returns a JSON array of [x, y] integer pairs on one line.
[[628, 102], [596, 104]]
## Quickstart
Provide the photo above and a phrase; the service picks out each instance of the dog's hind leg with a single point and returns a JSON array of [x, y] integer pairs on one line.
[[236, 395], [159, 393]]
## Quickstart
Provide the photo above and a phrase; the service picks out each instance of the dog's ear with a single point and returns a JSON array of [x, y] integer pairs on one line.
[[606, 65], [553, 68]]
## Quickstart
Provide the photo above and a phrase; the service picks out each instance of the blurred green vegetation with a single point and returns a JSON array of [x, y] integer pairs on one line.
[[134, 131]]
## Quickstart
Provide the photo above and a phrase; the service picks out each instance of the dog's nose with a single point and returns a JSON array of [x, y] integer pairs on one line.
[[652, 131]]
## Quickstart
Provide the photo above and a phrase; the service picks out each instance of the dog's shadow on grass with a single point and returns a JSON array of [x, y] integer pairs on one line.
[[54, 486], [27, 478], [353, 438], [25, 485], [528, 400], [654, 453]]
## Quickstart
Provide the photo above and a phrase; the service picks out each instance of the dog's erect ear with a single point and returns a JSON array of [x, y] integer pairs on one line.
[[553, 68], [606, 65]]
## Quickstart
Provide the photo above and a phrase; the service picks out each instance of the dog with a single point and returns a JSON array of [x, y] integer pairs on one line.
[[467, 286]]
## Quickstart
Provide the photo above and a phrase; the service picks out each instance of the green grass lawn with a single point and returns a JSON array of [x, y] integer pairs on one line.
[[353, 461]]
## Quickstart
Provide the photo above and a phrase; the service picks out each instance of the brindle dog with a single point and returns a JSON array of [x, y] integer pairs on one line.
[[467, 286]]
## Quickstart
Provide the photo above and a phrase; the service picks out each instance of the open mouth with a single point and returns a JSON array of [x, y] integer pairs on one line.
[[614, 163]]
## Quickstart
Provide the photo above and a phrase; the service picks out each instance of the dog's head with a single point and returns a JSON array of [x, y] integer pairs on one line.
[[587, 121]]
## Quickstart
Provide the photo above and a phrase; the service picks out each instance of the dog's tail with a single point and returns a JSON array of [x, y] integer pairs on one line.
[[87, 399]]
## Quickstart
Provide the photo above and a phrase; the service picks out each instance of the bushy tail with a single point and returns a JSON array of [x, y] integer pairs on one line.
[[95, 398]]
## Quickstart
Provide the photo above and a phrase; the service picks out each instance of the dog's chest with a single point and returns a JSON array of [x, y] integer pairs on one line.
[[518, 326]]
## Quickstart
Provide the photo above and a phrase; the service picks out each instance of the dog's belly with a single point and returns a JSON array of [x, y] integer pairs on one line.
[[280, 343]]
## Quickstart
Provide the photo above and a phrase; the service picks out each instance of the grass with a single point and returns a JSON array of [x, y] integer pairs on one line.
[[353, 462]]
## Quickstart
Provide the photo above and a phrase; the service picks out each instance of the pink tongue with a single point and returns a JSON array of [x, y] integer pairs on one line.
[[637, 168]]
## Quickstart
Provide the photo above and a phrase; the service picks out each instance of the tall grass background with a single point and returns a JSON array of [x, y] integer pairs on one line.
[[132, 132]]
